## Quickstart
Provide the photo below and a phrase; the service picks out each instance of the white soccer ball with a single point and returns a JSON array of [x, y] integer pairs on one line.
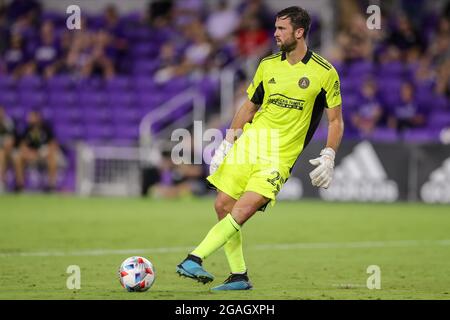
[[136, 274]]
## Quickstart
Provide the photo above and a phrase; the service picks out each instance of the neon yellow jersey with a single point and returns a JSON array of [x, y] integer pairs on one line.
[[292, 100]]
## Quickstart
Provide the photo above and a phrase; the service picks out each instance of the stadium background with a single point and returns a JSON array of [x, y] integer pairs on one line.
[[115, 90]]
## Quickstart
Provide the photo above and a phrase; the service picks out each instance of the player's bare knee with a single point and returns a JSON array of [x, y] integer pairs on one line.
[[243, 213], [221, 208]]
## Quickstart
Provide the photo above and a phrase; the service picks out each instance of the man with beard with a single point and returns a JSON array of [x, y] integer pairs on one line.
[[285, 103]]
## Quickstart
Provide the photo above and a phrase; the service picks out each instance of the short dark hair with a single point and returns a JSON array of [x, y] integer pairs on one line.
[[299, 18]]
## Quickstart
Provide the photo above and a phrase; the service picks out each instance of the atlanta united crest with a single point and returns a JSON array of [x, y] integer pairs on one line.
[[303, 83]]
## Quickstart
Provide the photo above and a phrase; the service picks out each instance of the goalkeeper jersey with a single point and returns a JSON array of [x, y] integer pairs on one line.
[[292, 99]]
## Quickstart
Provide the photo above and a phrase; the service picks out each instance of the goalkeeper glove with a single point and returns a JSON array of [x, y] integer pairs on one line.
[[219, 155], [323, 174]]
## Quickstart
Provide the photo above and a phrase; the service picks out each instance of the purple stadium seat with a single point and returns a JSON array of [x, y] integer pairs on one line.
[[125, 115], [383, 135], [62, 98], [8, 98], [439, 119], [389, 85], [126, 132], [29, 82], [443, 103], [182, 83], [6, 82], [341, 68], [425, 96], [150, 101], [144, 49], [95, 22], [89, 84], [48, 113], [69, 132], [120, 98], [117, 83], [59, 82], [130, 17], [350, 101], [421, 135], [144, 83], [350, 84], [93, 114], [97, 132], [145, 67], [392, 69], [17, 112], [360, 68], [32, 98], [68, 114], [53, 16], [181, 111], [92, 98], [141, 33]]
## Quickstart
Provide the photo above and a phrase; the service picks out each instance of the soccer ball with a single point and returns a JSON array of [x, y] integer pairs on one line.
[[136, 274]]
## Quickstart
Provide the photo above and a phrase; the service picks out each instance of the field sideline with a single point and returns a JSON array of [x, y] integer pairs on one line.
[[296, 250]]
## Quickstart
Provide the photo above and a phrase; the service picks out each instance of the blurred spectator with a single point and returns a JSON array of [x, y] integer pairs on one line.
[[15, 56], [174, 181], [405, 37], [407, 114], [21, 8], [119, 42], [90, 54], [24, 18], [259, 9], [37, 145], [159, 12], [4, 29], [222, 22], [354, 41], [6, 145], [100, 62], [369, 109], [195, 58], [168, 55], [186, 12], [439, 57], [200, 47], [47, 50], [253, 40]]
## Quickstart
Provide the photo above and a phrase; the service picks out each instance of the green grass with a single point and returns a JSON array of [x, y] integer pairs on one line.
[[73, 227]]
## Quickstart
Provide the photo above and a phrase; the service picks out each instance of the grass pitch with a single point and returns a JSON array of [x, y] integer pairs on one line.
[[296, 250]]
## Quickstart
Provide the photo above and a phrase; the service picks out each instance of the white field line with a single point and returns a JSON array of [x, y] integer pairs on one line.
[[281, 246]]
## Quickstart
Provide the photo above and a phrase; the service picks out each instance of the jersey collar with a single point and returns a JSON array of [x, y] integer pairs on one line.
[[305, 58]]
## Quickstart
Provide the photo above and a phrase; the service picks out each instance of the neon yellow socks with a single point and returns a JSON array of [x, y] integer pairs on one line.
[[235, 256], [217, 237]]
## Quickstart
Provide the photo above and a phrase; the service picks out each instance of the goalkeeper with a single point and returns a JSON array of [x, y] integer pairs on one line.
[[285, 104]]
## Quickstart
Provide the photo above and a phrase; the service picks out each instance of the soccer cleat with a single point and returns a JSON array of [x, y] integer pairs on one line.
[[192, 268], [235, 281]]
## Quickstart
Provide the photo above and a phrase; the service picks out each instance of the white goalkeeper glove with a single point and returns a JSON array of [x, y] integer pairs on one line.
[[219, 155], [323, 174]]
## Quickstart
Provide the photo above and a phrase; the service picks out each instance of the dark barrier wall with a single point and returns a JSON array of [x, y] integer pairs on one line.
[[377, 172]]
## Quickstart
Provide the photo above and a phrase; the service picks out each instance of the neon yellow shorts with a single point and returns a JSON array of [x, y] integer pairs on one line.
[[264, 178]]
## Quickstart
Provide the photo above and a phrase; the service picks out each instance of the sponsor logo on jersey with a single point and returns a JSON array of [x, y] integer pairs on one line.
[[336, 89], [303, 83], [285, 102]]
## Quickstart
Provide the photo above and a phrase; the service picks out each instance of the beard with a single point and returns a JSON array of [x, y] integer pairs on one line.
[[289, 45]]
